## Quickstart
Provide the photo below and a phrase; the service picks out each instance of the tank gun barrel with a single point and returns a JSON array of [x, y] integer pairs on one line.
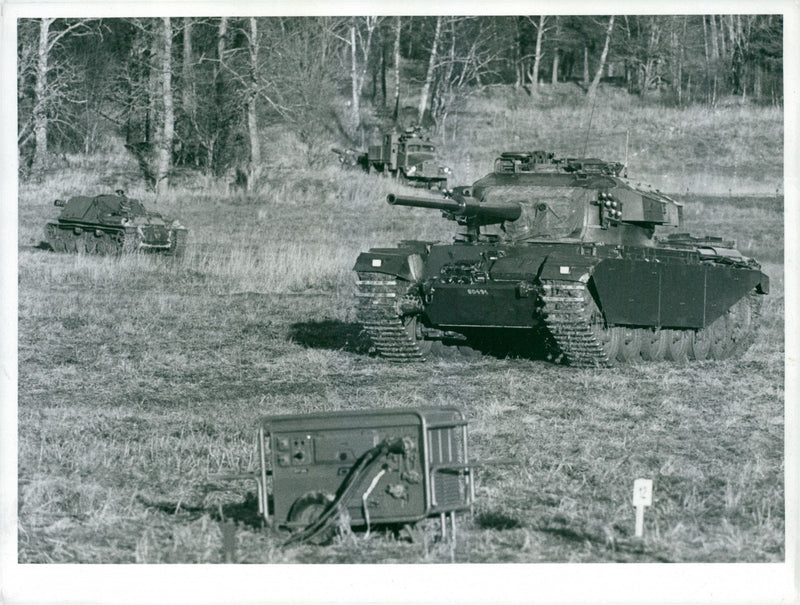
[[463, 207], [424, 202]]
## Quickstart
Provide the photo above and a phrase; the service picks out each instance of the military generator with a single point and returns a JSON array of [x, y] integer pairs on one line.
[[366, 468]]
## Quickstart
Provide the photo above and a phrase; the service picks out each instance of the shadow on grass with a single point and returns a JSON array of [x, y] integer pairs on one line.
[[495, 520], [241, 513], [330, 334]]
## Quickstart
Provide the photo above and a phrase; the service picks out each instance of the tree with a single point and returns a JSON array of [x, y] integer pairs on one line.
[[472, 56], [601, 65], [397, 30], [426, 87], [254, 162], [166, 131], [360, 41], [556, 52], [537, 54], [51, 81]]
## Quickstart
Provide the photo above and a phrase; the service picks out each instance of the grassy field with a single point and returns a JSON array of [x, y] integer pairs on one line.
[[139, 376]]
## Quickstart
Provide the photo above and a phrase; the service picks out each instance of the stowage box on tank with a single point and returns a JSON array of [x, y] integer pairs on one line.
[[108, 224], [575, 265]]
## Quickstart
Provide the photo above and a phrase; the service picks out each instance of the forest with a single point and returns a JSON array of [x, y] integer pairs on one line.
[[196, 93]]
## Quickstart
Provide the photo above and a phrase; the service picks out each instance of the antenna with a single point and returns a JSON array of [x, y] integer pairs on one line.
[[627, 135], [589, 127]]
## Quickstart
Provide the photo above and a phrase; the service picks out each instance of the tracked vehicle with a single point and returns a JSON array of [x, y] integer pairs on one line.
[[112, 224], [581, 262]]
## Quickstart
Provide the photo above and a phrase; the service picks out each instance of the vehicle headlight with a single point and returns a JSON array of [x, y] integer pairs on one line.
[[412, 170]]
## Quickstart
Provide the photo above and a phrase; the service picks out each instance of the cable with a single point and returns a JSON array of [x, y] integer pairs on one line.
[[345, 490]]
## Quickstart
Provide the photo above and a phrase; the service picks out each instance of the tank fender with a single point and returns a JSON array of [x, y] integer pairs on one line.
[[404, 263], [571, 267]]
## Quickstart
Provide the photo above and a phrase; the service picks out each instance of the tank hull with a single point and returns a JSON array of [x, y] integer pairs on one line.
[[113, 224], [587, 304]]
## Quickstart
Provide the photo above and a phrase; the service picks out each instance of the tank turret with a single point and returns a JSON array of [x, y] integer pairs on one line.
[[593, 269]]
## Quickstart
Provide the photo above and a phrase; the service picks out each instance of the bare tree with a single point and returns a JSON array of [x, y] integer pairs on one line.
[[471, 54], [359, 41], [556, 51], [537, 56], [187, 68], [47, 92], [396, 113], [252, 95], [601, 65], [166, 131], [426, 88]]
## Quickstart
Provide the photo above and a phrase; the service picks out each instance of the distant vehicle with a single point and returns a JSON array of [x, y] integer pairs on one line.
[[112, 224], [407, 155], [575, 266]]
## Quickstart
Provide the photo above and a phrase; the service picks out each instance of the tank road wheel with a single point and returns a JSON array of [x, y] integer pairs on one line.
[[59, 245], [654, 345], [90, 242], [307, 509], [119, 243], [609, 338], [720, 335], [577, 326], [701, 345], [678, 344], [469, 351], [72, 243], [742, 319], [631, 345], [413, 328], [104, 244]]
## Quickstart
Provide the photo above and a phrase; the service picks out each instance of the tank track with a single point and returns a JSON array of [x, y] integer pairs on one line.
[[179, 246], [111, 242], [378, 295], [566, 315], [66, 240]]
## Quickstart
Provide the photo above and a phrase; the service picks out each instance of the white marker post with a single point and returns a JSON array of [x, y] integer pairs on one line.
[[642, 496]]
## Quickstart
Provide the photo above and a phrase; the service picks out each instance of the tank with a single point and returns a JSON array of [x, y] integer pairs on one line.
[[568, 257], [111, 224]]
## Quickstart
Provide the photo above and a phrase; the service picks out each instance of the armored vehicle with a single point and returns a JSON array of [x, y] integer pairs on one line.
[[407, 155], [581, 261], [108, 224]]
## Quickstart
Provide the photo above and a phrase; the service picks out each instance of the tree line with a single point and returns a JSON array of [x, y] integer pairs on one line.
[[196, 92]]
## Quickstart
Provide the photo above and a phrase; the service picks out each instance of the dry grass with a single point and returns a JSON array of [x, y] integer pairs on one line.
[[139, 376]]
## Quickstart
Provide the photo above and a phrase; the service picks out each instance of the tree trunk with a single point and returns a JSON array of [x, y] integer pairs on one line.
[[554, 76], [384, 100], [252, 119], [167, 133], [216, 151], [355, 88], [585, 65], [397, 69], [426, 88], [598, 74], [714, 38], [537, 58], [40, 93], [187, 87]]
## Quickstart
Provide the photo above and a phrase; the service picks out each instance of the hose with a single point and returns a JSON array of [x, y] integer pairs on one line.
[[330, 514]]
